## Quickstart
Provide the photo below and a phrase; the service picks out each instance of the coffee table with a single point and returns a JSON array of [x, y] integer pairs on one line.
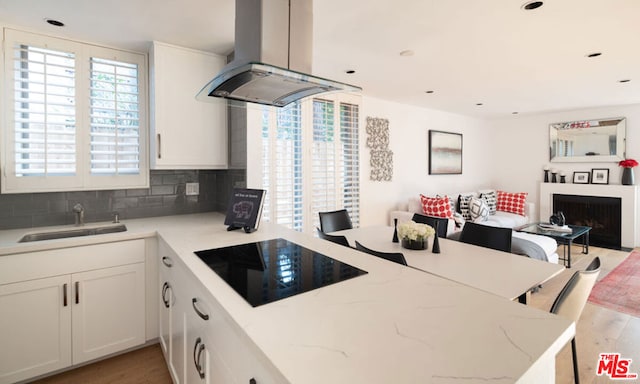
[[564, 238]]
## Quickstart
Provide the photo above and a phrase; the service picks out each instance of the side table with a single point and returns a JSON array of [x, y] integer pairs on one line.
[[564, 238]]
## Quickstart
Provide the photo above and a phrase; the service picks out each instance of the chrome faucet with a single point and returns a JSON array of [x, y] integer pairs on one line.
[[78, 210]]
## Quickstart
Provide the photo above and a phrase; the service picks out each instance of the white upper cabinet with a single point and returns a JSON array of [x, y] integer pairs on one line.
[[185, 133]]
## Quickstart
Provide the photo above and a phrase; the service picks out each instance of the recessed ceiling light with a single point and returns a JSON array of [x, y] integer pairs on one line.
[[428, 91], [54, 22], [478, 104], [531, 5], [514, 113], [594, 54], [350, 71], [624, 81], [407, 52]]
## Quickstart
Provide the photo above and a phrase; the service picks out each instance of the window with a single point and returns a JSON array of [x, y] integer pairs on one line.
[[310, 161], [74, 116]]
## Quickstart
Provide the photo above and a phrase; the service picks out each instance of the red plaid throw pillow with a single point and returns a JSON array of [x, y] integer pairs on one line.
[[511, 202], [436, 206]]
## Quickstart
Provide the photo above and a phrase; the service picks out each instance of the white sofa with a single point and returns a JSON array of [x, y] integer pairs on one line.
[[499, 219]]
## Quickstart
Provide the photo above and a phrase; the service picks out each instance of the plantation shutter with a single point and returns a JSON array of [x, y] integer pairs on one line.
[[349, 171], [282, 175], [114, 117], [326, 178], [75, 116], [44, 111], [324, 160]]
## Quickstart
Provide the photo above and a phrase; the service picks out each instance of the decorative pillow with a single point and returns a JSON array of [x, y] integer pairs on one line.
[[511, 202], [489, 195], [451, 202], [478, 209], [463, 204], [436, 206]]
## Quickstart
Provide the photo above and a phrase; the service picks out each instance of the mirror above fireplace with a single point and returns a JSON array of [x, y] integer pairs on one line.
[[597, 140]]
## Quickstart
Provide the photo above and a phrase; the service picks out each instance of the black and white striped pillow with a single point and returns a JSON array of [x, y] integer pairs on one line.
[[463, 204], [490, 196]]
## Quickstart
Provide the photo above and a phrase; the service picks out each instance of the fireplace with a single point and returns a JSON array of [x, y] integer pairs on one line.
[[602, 214]]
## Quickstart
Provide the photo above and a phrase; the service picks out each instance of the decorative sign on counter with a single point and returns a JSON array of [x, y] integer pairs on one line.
[[245, 209]]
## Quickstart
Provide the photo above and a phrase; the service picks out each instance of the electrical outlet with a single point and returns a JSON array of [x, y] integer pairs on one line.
[[193, 189]]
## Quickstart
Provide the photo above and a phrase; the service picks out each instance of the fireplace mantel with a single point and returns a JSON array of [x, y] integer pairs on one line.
[[627, 193]]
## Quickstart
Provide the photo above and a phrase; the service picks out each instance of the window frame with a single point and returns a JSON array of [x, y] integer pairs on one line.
[[83, 179]]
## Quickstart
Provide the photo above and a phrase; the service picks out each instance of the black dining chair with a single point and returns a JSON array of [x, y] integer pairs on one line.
[[396, 257], [333, 238], [572, 299], [442, 223], [487, 236], [335, 221]]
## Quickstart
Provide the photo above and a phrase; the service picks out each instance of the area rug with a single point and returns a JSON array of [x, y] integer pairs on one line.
[[620, 289]]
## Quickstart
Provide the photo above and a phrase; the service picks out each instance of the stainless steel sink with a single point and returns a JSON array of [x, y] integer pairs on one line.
[[75, 232]]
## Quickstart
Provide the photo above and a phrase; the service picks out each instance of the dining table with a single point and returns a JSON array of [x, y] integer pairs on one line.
[[504, 274]]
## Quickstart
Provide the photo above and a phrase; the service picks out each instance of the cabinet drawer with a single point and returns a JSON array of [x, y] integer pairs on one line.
[[36, 265]]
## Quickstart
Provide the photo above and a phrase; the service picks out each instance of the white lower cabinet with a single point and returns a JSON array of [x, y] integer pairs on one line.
[[52, 322], [206, 366], [108, 311], [206, 346], [35, 328]]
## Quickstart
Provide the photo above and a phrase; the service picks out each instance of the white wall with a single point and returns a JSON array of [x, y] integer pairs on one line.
[[522, 147], [408, 140]]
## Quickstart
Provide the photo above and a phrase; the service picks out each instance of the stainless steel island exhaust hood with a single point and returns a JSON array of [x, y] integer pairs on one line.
[[272, 56]]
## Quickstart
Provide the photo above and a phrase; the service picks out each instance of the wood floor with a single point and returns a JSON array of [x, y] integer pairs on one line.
[[599, 330], [142, 366]]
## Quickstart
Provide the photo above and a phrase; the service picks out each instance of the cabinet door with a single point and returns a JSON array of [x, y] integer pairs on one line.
[[169, 322], [166, 299], [35, 327], [186, 133], [108, 311], [204, 364]]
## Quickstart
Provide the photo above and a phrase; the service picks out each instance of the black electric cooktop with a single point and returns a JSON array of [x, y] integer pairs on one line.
[[271, 270]]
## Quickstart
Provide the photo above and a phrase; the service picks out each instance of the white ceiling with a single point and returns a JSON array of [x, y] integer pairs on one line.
[[466, 51]]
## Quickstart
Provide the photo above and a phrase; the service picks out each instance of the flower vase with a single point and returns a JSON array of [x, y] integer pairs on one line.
[[395, 230], [418, 244], [627, 176]]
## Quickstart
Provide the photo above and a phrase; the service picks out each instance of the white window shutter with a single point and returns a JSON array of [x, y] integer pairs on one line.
[[299, 187]]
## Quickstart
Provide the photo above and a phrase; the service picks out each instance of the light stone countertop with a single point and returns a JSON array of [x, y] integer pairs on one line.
[[393, 325]]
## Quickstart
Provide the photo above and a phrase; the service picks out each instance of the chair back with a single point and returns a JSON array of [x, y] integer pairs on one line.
[[573, 297], [396, 257], [335, 221], [441, 222], [487, 236], [333, 238]]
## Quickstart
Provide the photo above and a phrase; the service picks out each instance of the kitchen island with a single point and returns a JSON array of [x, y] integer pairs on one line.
[[392, 325]]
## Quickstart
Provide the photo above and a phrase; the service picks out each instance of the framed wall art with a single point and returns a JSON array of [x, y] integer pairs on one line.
[[445, 153], [600, 176], [581, 177]]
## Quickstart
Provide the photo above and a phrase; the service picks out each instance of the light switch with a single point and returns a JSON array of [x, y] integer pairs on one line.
[[193, 189]]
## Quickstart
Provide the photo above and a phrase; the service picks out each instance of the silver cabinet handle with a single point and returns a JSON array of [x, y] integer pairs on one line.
[[203, 315], [198, 348], [159, 146], [167, 262]]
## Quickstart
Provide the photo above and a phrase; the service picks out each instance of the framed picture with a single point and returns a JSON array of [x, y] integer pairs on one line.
[[581, 177], [600, 176], [445, 153]]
